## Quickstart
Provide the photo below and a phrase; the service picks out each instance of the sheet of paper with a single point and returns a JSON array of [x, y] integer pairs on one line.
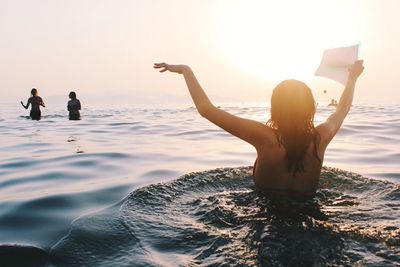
[[336, 62]]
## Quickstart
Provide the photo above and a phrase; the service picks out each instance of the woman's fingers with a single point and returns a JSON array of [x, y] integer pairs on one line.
[[163, 66], [160, 65]]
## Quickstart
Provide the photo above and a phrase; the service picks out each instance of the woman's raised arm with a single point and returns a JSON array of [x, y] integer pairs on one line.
[[199, 97], [250, 131], [329, 128]]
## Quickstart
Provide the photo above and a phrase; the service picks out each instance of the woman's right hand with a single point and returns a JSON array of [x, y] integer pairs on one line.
[[172, 68], [356, 69]]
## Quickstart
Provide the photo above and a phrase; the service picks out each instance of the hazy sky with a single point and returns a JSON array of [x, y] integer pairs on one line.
[[238, 49]]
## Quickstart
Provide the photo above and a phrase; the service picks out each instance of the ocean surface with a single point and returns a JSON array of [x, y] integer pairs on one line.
[[161, 186]]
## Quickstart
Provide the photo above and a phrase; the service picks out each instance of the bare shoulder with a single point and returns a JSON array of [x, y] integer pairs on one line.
[[322, 129], [269, 146], [326, 134]]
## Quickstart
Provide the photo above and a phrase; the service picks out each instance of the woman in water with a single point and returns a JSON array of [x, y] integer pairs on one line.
[[290, 150], [36, 101], [74, 105]]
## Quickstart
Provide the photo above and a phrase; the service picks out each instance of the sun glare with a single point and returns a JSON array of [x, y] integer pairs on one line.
[[277, 40]]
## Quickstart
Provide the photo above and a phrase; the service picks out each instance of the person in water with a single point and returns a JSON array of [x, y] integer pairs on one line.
[[333, 103], [36, 101], [290, 149], [74, 105]]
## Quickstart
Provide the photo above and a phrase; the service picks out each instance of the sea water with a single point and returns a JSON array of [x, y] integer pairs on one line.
[[161, 186]]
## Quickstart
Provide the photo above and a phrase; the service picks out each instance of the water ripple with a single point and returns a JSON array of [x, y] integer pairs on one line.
[[215, 218]]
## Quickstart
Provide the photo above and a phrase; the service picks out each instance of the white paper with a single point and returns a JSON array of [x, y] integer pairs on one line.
[[335, 63]]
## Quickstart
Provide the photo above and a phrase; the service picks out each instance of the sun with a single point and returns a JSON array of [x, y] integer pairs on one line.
[[278, 40]]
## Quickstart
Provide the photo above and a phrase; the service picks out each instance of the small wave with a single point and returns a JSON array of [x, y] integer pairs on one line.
[[92, 156], [216, 218], [54, 116], [159, 172], [20, 162], [25, 117], [35, 178]]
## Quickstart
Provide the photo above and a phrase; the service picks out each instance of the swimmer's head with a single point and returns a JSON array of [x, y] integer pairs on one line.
[[34, 92], [292, 115], [292, 101], [72, 95]]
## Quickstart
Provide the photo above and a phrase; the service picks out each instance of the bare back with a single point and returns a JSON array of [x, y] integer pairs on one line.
[[271, 169]]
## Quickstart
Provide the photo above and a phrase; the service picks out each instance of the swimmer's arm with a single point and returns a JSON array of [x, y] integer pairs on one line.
[[199, 97], [42, 103], [329, 128], [79, 105], [253, 132], [27, 104], [248, 130]]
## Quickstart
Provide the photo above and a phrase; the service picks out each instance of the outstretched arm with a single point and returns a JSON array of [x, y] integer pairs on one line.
[[329, 128], [250, 131], [27, 104], [200, 99]]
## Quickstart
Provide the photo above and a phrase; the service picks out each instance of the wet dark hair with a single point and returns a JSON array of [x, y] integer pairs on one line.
[[34, 92], [292, 116], [72, 94]]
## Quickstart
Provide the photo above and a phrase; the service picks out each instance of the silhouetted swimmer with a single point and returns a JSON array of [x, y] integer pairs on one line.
[[36, 101], [74, 105]]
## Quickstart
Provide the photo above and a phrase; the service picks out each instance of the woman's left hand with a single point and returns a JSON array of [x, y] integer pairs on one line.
[[172, 68]]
